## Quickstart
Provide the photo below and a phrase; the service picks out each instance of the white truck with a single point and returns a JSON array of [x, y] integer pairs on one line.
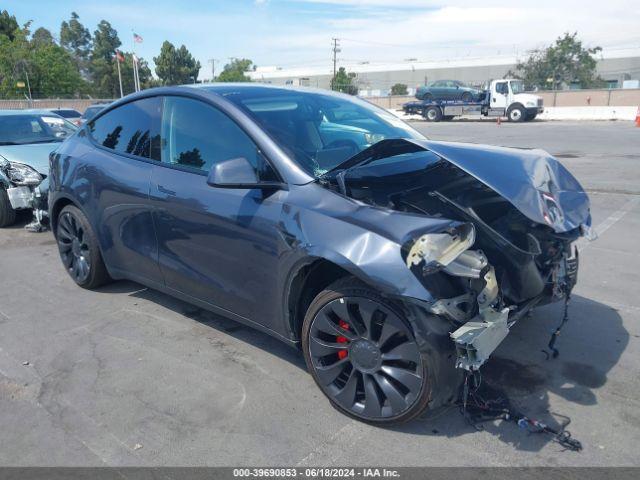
[[504, 97]]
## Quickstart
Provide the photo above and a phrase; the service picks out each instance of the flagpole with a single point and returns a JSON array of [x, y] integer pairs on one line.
[[137, 74], [119, 74]]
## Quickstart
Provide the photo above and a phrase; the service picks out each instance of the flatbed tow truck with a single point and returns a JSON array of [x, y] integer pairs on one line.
[[503, 98]]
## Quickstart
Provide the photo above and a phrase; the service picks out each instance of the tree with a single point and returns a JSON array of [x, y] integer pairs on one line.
[[45, 68], [235, 70], [343, 82], [399, 89], [8, 25], [42, 36], [76, 39], [564, 63], [53, 72], [102, 64], [14, 58], [176, 66]]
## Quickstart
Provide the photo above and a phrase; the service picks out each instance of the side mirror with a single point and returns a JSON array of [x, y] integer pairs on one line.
[[236, 173]]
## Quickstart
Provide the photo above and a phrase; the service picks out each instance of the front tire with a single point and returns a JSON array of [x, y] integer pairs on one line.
[[516, 114], [363, 354], [78, 248], [7, 213]]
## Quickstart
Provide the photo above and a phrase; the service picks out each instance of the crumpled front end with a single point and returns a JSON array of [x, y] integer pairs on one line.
[[27, 190], [519, 214]]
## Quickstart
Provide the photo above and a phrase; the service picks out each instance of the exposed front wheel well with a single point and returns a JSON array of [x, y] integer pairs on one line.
[[308, 282]]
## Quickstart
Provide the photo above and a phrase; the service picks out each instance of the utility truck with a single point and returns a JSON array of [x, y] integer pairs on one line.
[[504, 97]]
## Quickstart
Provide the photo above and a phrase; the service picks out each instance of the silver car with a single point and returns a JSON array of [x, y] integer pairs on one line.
[[26, 139]]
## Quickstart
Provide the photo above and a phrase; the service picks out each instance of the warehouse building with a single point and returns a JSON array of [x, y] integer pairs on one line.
[[620, 69]]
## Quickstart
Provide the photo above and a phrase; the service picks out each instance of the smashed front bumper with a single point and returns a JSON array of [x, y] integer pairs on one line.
[[31, 198]]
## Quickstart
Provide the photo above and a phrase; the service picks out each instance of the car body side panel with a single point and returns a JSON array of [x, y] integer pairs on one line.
[[364, 240], [113, 192], [219, 245]]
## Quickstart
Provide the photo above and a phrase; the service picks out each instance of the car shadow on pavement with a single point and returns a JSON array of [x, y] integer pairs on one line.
[[227, 326], [522, 373]]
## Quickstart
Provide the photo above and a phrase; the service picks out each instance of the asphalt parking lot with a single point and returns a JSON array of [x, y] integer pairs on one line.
[[129, 376]]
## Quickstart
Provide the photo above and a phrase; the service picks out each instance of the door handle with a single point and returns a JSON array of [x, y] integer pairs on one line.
[[166, 191]]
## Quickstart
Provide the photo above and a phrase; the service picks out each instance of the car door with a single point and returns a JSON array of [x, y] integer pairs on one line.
[[114, 181], [436, 89], [500, 96], [218, 245]]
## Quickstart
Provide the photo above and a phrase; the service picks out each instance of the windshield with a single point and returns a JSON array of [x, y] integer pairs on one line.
[[517, 86], [319, 131], [33, 128]]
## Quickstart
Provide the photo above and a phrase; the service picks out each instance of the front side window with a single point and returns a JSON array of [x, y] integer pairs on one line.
[[133, 128], [197, 135], [502, 88]]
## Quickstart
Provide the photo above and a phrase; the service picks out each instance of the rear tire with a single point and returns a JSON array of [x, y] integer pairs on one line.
[[79, 250], [433, 114], [7, 213], [363, 355]]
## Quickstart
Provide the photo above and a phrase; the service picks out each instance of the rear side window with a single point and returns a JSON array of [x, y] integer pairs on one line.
[[133, 128], [197, 135]]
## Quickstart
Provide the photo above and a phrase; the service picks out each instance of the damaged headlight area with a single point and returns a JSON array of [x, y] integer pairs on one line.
[[21, 174], [479, 313], [437, 250], [22, 184]]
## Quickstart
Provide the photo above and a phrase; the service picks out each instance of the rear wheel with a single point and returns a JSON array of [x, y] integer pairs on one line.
[[78, 247], [363, 355], [7, 213], [433, 114]]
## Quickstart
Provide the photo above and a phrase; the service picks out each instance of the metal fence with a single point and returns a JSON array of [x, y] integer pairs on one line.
[[76, 104]]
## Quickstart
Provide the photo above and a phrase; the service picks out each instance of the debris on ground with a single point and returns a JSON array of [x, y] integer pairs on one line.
[[477, 410]]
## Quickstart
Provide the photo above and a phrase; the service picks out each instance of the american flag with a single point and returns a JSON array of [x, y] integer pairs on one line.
[[119, 56], [137, 38]]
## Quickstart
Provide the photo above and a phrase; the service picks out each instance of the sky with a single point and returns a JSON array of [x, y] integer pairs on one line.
[[298, 33]]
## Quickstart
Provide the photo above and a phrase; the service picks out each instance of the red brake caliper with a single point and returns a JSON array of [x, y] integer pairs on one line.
[[340, 339]]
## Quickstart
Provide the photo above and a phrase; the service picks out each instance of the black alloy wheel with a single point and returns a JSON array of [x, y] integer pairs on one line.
[[365, 358], [73, 247], [78, 249]]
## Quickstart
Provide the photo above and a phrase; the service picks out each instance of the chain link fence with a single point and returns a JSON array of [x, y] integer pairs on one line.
[[74, 103]]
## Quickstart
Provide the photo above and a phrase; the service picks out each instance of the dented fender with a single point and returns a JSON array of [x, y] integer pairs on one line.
[[364, 240]]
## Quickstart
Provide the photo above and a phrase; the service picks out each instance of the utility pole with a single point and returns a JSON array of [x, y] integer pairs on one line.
[[213, 61], [336, 50]]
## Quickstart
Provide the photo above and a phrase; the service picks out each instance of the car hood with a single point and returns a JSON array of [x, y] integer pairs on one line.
[[35, 155], [533, 181]]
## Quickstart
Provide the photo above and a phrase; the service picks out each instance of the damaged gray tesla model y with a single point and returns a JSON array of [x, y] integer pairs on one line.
[[396, 263]]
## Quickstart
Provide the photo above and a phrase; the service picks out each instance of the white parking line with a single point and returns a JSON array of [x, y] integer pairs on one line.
[[609, 222]]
